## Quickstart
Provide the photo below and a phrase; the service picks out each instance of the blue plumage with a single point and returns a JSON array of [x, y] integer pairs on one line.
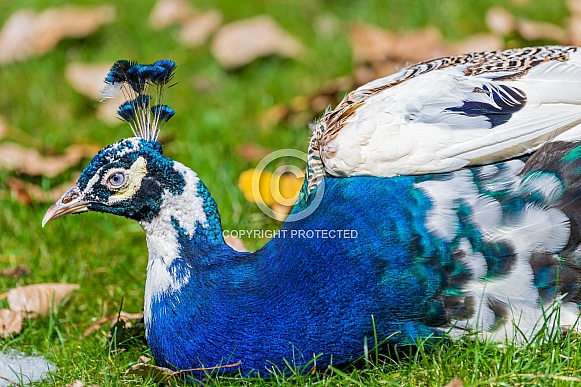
[[491, 249]]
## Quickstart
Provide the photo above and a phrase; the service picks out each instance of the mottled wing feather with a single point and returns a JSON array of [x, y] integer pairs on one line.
[[444, 114]]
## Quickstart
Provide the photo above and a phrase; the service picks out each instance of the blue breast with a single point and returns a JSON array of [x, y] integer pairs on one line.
[[315, 290]]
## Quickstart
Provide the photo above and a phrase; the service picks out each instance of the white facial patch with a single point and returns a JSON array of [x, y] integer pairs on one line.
[[135, 176]]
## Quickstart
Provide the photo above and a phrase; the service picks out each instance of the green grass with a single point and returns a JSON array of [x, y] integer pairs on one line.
[[107, 255]]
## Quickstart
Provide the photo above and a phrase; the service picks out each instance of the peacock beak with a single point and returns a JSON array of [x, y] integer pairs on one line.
[[70, 203]]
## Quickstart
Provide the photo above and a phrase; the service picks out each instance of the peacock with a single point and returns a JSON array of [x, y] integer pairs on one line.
[[455, 183]]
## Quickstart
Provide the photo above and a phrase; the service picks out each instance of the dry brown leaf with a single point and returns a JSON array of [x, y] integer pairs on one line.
[[162, 374], [368, 72], [235, 243], [302, 109], [157, 373], [27, 33], [574, 7], [534, 30], [19, 190], [456, 382], [373, 44], [39, 299], [377, 53], [29, 162], [113, 320], [478, 42], [10, 322], [239, 43], [370, 43], [15, 272], [574, 28], [500, 21], [168, 12], [252, 152], [27, 193], [198, 28], [87, 78]]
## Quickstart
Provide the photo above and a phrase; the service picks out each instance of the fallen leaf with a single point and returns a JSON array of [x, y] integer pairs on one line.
[[198, 28], [39, 299], [157, 373], [301, 110], [164, 375], [534, 30], [168, 12], [574, 28], [10, 322], [500, 21], [27, 33], [113, 320], [15, 272], [19, 190], [456, 382], [252, 152], [478, 42], [239, 43], [30, 162], [377, 53], [125, 329], [235, 243], [87, 78], [574, 7], [27, 193], [374, 44]]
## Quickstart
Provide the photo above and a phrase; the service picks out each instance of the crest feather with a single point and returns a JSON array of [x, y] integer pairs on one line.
[[142, 88]]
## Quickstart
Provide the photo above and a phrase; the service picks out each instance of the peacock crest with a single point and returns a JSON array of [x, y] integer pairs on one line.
[[141, 88]]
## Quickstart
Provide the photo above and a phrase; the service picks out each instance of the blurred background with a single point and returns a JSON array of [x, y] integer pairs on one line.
[[250, 77]]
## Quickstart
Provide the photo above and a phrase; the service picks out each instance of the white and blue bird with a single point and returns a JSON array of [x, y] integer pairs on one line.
[[459, 177]]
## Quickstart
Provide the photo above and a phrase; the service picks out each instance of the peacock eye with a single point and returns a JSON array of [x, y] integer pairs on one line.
[[116, 180]]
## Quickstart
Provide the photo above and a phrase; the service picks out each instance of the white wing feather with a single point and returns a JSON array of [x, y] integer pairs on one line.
[[425, 124]]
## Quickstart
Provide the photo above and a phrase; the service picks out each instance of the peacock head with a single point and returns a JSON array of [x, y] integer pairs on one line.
[[130, 177], [127, 178]]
